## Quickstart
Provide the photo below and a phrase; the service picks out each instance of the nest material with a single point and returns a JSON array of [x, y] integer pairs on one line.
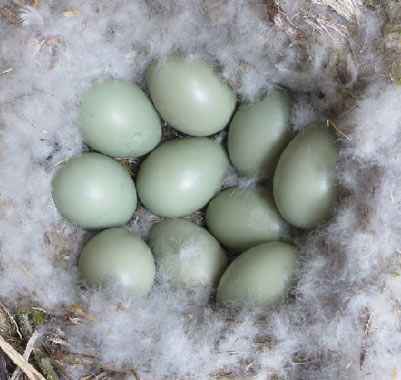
[[52, 353]]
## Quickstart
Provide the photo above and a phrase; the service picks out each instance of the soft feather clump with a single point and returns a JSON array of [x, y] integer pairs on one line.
[[350, 264], [342, 319]]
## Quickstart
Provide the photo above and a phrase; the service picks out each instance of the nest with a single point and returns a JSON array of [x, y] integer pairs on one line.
[[34, 339]]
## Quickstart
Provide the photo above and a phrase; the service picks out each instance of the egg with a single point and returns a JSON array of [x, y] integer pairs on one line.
[[186, 254], [94, 191], [258, 133], [305, 179], [190, 96], [118, 257], [261, 276], [181, 176], [117, 119], [243, 218]]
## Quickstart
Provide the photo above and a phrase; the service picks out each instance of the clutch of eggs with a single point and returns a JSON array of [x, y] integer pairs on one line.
[[249, 227]]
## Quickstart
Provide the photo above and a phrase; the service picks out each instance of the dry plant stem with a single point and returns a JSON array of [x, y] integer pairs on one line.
[[341, 133], [11, 320], [24, 324], [20, 361], [28, 350], [40, 356]]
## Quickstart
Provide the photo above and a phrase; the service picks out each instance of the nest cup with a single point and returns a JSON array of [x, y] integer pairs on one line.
[[339, 61]]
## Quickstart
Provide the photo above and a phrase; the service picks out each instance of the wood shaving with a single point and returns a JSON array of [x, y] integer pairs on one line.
[[73, 12]]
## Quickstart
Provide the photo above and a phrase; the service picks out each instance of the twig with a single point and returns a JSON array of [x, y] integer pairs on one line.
[[22, 319], [339, 131], [11, 320], [40, 356], [20, 361], [27, 353]]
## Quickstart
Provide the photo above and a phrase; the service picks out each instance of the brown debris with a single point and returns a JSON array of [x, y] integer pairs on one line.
[[272, 10], [76, 314], [31, 3], [10, 12], [10, 15], [74, 359]]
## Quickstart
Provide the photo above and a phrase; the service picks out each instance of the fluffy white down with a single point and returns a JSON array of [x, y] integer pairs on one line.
[[343, 322]]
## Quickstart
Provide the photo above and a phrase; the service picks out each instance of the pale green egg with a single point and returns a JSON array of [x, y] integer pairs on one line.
[[186, 254], [190, 96], [305, 187], [258, 133], [116, 118], [118, 257], [94, 191], [261, 276], [181, 176], [243, 218]]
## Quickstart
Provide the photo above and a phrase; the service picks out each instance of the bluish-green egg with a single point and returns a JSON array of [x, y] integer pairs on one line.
[[260, 276], [305, 187], [243, 218], [118, 257], [94, 191], [190, 96], [116, 118], [181, 176], [258, 134], [186, 254]]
